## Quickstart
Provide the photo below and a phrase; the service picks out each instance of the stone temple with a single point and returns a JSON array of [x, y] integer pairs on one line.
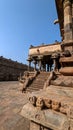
[[50, 100]]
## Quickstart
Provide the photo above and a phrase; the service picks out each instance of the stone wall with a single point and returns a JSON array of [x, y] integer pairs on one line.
[[11, 70]]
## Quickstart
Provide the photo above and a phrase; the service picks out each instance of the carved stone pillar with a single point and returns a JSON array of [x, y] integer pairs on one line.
[[54, 57], [47, 67], [29, 66], [55, 66], [68, 25], [67, 20], [40, 62], [40, 65], [44, 67], [34, 65], [29, 63], [50, 67]]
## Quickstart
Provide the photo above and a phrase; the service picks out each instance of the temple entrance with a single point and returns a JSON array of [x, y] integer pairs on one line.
[[45, 63]]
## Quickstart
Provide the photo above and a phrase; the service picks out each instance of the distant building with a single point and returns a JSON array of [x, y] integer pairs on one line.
[[45, 56], [11, 70]]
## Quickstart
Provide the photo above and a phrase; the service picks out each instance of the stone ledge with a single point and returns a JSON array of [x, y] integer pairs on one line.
[[47, 118]]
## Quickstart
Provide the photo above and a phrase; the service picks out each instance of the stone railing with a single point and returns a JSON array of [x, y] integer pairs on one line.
[[51, 77], [27, 79]]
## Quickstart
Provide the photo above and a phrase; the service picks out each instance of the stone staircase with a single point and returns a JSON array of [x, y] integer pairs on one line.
[[38, 82]]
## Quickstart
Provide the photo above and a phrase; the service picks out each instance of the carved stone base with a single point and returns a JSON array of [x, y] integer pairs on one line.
[[46, 118], [55, 105]]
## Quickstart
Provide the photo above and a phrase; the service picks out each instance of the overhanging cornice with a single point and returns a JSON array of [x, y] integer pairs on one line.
[[59, 7]]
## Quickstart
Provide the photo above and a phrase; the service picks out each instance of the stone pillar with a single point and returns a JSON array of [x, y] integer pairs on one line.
[[50, 66], [29, 62], [68, 34], [40, 58], [44, 67], [54, 61], [40, 64], [34, 65], [47, 67], [29, 65], [68, 25]]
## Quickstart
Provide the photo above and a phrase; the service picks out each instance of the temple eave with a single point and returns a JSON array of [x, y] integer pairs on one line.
[[59, 7]]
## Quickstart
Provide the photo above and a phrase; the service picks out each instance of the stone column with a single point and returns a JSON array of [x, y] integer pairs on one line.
[[47, 67], [68, 34], [44, 67], [54, 61], [29, 65], [40, 64], [29, 62], [34, 65], [40, 61], [50, 66], [68, 25]]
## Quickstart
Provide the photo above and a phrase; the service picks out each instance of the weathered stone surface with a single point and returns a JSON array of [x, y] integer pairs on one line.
[[66, 59], [68, 71], [34, 126], [71, 124], [57, 99], [43, 49], [48, 118], [64, 81], [11, 103]]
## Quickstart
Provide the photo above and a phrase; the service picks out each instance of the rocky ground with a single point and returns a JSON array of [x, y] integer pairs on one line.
[[11, 103]]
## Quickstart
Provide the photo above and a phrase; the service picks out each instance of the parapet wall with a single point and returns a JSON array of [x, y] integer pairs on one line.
[[45, 49], [11, 70]]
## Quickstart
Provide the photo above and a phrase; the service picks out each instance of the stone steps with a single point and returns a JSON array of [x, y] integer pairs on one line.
[[38, 83]]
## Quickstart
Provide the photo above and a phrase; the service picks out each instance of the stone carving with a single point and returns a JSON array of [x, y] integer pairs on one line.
[[33, 100], [43, 103], [66, 53], [48, 103], [27, 78], [64, 108], [56, 105], [40, 103]]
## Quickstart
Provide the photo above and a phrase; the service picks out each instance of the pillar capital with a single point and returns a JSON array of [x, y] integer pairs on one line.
[[66, 3], [29, 59], [40, 57]]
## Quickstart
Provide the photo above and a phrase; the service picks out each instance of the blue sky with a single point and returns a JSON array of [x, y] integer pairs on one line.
[[26, 22]]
